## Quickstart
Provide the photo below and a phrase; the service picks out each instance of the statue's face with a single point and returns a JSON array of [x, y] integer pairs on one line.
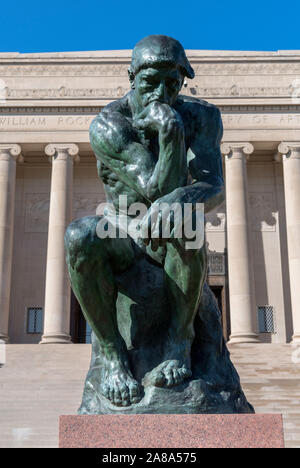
[[157, 84]]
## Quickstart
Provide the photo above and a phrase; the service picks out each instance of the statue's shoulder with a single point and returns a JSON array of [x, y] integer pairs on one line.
[[198, 113], [119, 106], [197, 108], [113, 120]]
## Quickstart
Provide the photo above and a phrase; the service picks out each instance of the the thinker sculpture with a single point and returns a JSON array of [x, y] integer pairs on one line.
[[157, 335]]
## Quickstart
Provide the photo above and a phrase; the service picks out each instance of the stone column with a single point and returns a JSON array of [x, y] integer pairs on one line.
[[57, 293], [291, 176], [9, 155], [241, 278]]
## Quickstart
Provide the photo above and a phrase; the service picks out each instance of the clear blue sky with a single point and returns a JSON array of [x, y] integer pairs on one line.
[[72, 25]]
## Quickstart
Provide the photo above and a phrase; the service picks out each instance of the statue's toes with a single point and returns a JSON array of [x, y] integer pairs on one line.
[[185, 373], [178, 378], [111, 394], [157, 379], [134, 393], [125, 396], [118, 401], [122, 393], [175, 376], [169, 376]]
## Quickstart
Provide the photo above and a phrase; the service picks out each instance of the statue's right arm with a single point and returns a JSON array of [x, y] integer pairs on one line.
[[116, 145]]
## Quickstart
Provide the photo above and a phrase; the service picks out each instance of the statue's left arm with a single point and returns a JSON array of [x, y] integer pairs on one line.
[[204, 162], [205, 167]]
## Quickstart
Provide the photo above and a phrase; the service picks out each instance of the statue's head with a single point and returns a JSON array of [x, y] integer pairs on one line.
[[158, 68]]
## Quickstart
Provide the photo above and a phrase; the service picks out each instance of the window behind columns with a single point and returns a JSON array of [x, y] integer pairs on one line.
[[35, 318], [266, 319]]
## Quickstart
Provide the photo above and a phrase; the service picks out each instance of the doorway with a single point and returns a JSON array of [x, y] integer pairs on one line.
[[79, 328], [220, 295]]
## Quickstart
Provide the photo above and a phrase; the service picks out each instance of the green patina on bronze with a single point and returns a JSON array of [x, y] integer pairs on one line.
[[157, 336]]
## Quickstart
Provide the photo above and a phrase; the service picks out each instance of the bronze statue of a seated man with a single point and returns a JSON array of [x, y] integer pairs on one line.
[[153, 145]]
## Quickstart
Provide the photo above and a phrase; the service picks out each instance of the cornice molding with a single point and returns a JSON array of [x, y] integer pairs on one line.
[[96, 109], [201, 67], [236, 91], [65, 93]]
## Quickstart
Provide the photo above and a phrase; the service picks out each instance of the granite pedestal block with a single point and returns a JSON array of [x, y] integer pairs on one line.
[[172, 431]]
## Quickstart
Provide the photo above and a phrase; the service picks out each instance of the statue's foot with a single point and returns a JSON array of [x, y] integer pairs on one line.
[[119, 386], [168, 374]]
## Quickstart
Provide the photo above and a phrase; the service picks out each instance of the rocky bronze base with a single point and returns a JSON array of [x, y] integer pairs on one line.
[[214, 386], [193, 397]]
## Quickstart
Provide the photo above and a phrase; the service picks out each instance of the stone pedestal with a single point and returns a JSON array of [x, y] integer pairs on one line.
[[172, 431]]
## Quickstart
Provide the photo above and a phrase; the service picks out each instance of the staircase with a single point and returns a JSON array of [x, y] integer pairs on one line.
[[40, 382], [271, 382]]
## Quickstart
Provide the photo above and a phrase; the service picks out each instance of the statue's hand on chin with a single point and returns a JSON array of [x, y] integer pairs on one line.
[[156, 117]]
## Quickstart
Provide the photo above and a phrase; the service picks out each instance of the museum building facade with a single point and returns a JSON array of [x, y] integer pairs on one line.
[[48, 177]]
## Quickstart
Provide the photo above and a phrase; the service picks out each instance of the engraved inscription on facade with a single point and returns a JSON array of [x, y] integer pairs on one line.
[[231, 121], [22, 121]]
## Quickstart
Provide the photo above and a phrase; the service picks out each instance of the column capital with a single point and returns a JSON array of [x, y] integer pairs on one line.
[[65, 149], [11, 150], [236, 150], [289, 150]]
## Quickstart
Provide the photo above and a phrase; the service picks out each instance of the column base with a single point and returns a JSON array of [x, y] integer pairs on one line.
[[56, 338], [295, 339], [243, 338], [4, 338]]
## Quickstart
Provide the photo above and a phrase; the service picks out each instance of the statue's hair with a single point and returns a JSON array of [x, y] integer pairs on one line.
[[159, 50]]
